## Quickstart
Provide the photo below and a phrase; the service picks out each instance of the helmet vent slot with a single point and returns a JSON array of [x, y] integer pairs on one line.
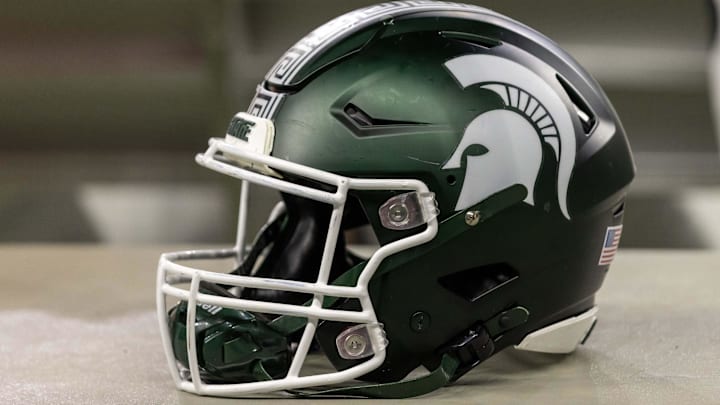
[[364, 120], [472, 284], [620, 210], [584, 113], [472, 39], [358, 115]]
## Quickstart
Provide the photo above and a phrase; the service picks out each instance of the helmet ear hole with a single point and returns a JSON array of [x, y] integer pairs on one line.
[[451, 180], [472, 284]]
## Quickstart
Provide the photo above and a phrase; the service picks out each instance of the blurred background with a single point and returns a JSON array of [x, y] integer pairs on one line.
[[103, 105]]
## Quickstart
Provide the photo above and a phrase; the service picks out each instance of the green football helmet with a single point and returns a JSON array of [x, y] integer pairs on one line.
[[490, 167]]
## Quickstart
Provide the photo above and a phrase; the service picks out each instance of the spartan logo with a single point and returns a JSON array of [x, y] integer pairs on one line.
[[240, 128], [533, 113]]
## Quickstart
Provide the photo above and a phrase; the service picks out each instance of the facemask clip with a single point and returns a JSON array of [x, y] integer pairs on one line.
[[409, 210], [358, 342]]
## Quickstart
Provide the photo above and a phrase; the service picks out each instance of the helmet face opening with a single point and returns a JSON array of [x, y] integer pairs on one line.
[[488, 165], [236, 333], [296, 250]]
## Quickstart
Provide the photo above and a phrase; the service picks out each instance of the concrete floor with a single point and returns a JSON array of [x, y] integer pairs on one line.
[[78, 327]]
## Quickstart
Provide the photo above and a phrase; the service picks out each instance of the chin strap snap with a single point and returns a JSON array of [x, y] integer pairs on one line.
[[471, 348]]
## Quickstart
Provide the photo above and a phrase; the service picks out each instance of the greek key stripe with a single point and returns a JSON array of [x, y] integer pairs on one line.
[[265, 103], [323, 37]]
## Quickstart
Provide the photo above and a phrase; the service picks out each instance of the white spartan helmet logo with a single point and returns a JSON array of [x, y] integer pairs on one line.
[[513, 142]]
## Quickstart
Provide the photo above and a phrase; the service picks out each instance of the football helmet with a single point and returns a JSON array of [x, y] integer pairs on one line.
[[490, 167]]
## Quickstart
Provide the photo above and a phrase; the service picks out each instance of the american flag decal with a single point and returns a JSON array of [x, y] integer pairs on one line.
[[610, 245]]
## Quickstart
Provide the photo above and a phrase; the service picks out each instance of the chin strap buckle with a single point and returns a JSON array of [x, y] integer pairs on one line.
[[470, 349]]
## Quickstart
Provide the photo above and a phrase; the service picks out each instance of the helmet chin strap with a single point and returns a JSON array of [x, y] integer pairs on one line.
[[244, 348], [236, 336], [460, 356], [395, 390], [240, 346]]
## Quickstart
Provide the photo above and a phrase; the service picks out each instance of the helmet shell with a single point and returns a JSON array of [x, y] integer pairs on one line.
[[373, 97]]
